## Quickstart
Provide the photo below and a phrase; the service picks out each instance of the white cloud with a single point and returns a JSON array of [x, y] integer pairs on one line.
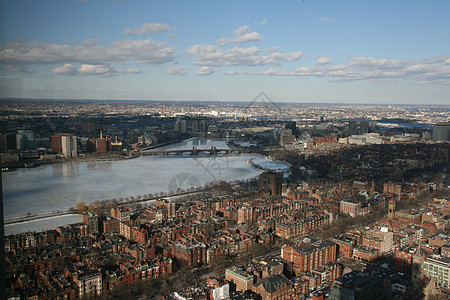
[[205, 71], [132, 71], [242, 35], [210, 55], [236, 72], [148, 28], [93, 70], [370, 62], [144, 51], [176, 70], [329, 20], [434, 70], [101, 70], [67, 69], [323, 61], [241, 30], [89, 52]]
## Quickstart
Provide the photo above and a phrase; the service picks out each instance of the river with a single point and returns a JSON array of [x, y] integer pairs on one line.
[[60, 186]]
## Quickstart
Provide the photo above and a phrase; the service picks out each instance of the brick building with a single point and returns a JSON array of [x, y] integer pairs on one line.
[[407, 217], [350, 208], [345, 245], [56, 142], [272, 181], [308, 256], [382, 240], [240, 278], [276, 287]]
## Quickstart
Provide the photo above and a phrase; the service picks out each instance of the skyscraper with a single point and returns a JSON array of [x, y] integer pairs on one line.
[[56, 142], [7, 142], [69, 146], [441, 132], [25, 140], [293, 126], [364, 127], [273, 181], [352, 124]]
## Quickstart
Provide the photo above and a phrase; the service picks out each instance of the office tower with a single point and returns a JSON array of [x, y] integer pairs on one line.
[[352, 124], [272, 181], [441, 132], [7, 142], [183, 126], [364, 127], [56, 142], [293, 126], [202, 126], [25, 140], [69, 146], [194, 126]]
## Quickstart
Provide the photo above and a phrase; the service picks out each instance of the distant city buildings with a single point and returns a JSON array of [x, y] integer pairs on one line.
[[333, 180]]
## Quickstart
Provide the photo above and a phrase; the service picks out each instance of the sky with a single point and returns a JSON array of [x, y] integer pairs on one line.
[[375, 52]]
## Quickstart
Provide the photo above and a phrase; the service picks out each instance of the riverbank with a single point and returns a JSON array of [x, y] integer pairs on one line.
[[34, 194], [84, 157], [37, 163], [269, 165], [49, 215]]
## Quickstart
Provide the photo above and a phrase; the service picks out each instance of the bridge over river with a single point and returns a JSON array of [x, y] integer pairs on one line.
[[195, 151]]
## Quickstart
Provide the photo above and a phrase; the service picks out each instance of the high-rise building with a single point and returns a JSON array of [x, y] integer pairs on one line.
[[69, 146], [202, 125], [25, 140], [7, 142], [441, 132], [194, 126], [352, 124], [272, 181], [363, 127], [91, 221], [293, 126], [181, 126], [56, 142]]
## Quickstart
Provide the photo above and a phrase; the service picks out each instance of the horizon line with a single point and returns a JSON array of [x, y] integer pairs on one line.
[[212, 101]]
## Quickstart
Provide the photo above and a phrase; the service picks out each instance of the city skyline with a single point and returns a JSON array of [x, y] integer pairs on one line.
[[321, 51]]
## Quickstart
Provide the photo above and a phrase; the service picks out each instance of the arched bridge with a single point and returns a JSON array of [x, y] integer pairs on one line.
[[195, 151]]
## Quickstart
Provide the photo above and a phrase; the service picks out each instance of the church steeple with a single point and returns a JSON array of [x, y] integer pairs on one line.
[[417, 267], [391, 209]]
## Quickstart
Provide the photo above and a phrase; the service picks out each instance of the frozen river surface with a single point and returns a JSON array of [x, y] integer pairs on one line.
[[61, 186]]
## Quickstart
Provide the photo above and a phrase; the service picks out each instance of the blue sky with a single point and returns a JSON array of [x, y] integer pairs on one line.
[[295, 51]]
